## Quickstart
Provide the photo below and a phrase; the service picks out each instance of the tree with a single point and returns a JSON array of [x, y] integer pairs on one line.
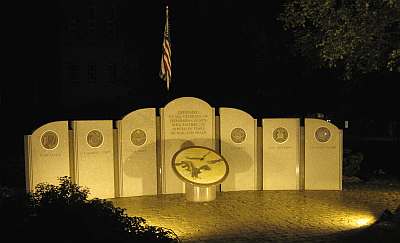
[[354, 37]]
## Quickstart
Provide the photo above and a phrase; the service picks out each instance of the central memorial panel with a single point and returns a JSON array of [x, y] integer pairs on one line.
[[185, 121]]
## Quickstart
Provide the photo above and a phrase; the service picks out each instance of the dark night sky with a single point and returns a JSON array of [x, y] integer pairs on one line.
[[229, 53]]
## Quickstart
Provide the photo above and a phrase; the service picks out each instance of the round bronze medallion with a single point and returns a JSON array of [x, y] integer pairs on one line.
[[94, 138], [322, 134], [238, 135], [280, 135], [200, 166], [138, 137], [49, 140]]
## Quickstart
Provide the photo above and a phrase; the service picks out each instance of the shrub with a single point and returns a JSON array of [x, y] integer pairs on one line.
[[352, 162], [64, 214]]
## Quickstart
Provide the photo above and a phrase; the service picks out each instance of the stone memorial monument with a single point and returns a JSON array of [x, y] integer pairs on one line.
[[137, 153], [281, 154], [185, 122], [94, 157], [138, 157], [47, 154], [323, 155], [238, 136]]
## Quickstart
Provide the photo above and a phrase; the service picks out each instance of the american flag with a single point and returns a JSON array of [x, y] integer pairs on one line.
[[165, 72]]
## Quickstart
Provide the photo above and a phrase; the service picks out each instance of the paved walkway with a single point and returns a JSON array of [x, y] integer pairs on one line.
[[266, 216]]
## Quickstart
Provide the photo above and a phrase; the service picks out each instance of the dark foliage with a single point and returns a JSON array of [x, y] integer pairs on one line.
[[64, 214], [356, 37], [352, 162]]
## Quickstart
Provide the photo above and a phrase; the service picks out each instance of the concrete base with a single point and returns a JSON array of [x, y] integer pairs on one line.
[[200, 194]]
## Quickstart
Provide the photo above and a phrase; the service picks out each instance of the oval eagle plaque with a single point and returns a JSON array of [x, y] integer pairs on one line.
[[200, 166]]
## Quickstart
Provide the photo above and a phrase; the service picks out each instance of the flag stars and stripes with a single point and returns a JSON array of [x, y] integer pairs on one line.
[[165, 72]]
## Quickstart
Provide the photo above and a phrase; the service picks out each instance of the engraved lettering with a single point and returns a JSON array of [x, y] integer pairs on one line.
[[188, 122]]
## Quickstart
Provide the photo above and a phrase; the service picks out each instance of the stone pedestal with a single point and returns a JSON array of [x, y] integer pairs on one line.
[[200, 194]]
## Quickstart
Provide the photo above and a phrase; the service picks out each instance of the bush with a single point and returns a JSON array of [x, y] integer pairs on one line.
[[64, 214], [352, 162]]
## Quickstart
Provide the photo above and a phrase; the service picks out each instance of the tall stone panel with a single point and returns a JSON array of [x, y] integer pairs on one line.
[[323, 155], [238, 134], [185, 121], [94, 157], [281, 154], [47, 154], [138, 155]]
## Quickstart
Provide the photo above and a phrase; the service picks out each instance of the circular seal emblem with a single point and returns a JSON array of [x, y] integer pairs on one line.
[[138, 137], [280, 135], [94, 138], [49, 140], [238, 135], [322, 134]]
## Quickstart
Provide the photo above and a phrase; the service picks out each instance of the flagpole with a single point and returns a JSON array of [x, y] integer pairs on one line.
[[169, 81], [165, 27], [167, 30], [166, 63]]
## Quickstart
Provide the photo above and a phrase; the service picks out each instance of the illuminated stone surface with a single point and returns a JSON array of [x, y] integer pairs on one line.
[[239, 147], [265, 216], [94, 157], [47, 155], [138, 157], [323, 155], [281, 154], [184, 121]]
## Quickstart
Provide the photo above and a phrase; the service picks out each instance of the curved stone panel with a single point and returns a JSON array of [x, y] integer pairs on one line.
[[184, 121], [322, 155], [49, 156], [137, 149], [239, 146]]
